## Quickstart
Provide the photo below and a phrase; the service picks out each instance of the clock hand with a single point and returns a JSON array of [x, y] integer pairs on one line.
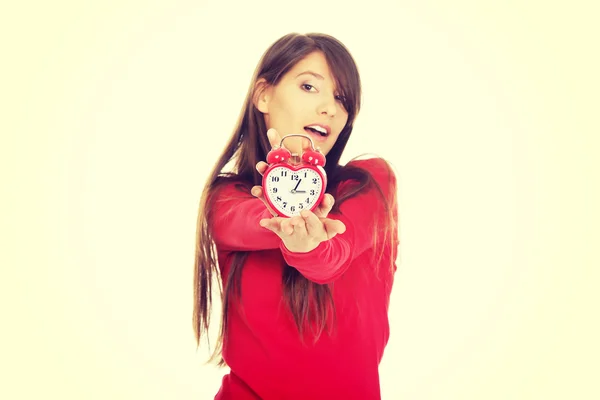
[[297, 184]]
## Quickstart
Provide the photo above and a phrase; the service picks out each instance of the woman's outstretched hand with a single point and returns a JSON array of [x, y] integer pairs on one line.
[[304, 232]]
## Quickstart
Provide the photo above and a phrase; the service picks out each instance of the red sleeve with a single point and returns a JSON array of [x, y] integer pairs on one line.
[[234, 221], [332, 257]]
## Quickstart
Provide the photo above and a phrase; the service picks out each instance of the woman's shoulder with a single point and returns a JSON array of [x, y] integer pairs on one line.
[[378, 167], [368, 173], [230, 186]]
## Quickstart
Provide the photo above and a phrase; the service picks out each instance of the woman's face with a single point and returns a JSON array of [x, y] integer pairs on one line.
[[305, 101]]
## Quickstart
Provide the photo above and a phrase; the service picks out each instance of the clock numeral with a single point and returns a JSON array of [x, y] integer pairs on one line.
[[274, 190], [306, 173], [274, 179], [295, 177], [293, 208], [278, 198], [308, 200], [284, 173], [284, 204], [314, 181], [312, 192], [300, 206]]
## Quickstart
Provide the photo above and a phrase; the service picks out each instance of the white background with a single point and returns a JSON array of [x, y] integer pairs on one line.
[[113, 112]]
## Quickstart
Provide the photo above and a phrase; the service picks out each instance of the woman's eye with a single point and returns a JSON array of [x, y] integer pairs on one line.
[[340, 98], [307, 85]]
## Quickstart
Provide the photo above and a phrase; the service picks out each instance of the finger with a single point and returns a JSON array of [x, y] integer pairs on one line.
[[299, 225], [325, 207], [286, 226], [274, 138], [306, 144], [333, 227], [261, 167], [257, 192], [314, 226], [272, 224]]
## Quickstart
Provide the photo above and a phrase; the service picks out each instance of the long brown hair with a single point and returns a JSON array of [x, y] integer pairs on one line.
[[310, 304]]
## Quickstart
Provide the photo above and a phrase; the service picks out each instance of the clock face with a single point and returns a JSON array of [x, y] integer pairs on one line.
[[290, 192]]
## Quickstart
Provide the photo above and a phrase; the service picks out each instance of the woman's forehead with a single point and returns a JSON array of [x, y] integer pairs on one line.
[[315, 63], [312, 66]]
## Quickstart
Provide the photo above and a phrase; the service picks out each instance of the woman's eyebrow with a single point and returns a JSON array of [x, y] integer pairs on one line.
[[311, 73]]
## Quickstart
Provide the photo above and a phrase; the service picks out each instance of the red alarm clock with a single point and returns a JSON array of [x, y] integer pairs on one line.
[[290, 188]]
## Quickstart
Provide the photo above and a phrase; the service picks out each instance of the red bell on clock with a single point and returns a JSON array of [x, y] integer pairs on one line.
[[314, 157], [290, 188], [278, 154]]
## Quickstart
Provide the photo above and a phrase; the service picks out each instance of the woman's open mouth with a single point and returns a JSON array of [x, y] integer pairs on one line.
[[316, 131]]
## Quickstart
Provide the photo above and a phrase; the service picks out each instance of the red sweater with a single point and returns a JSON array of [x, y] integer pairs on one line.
[[262, 346]]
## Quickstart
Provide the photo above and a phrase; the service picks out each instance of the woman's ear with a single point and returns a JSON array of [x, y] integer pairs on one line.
[[261, 96]]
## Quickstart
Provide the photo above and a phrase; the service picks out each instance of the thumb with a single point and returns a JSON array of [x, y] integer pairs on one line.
[[257, 192], [274, 137], [325, 207], [333, 227]]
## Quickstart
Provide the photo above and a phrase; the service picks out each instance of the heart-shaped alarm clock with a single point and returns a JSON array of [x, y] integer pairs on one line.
[[290, 188]]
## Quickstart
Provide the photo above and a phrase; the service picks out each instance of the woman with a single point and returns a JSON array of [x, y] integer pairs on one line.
[[305, 299]]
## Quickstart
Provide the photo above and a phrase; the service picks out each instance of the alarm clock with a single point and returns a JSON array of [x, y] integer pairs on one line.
[[290, 187]]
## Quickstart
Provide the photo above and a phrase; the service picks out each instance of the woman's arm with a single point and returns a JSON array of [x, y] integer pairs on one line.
[[331, 258], [234, 221]]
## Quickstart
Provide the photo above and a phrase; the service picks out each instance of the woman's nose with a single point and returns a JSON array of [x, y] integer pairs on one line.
[[328, 107]]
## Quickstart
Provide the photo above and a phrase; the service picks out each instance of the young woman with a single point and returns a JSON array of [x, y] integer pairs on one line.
[[305, 299]]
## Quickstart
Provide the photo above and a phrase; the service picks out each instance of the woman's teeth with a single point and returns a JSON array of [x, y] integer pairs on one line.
[[316, 131]]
